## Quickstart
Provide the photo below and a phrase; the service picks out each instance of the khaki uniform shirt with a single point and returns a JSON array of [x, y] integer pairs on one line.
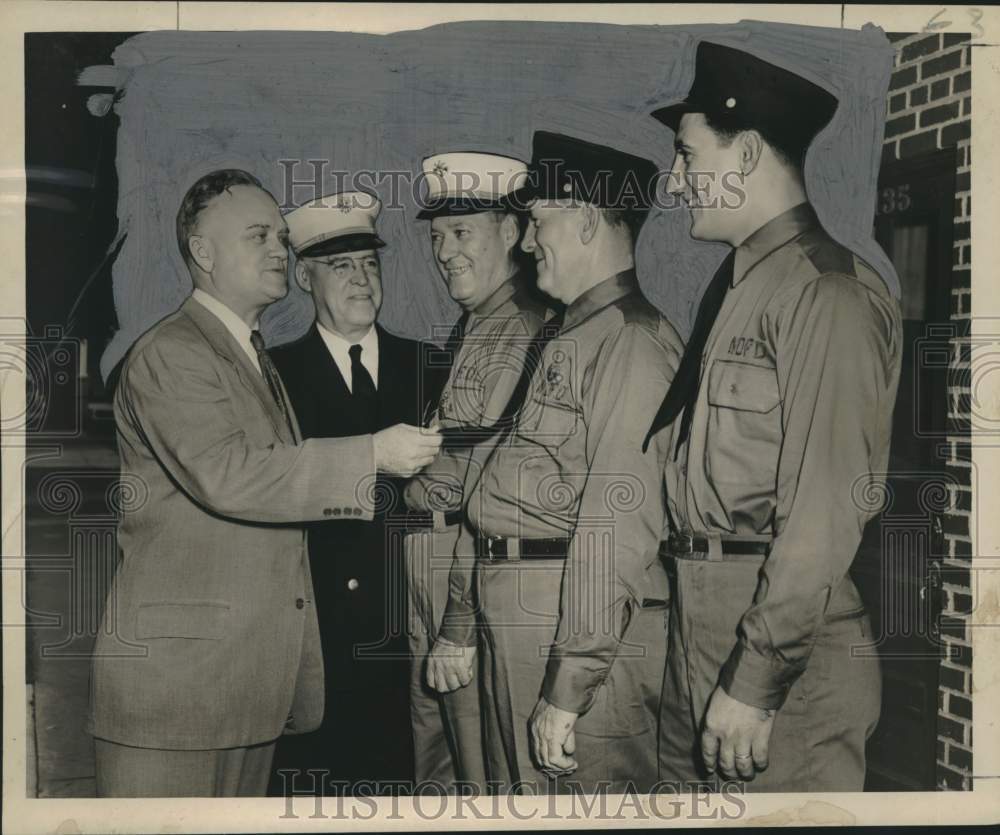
[[789, 433], [483, 375], [574, 467]]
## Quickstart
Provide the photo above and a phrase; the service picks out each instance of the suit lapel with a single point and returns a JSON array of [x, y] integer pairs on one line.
[[225, 345]]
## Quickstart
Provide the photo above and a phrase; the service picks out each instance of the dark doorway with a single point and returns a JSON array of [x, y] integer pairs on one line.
[[898, 565]]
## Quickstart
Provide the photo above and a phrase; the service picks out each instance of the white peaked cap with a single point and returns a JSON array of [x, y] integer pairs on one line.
[[467, 182], [340, 222]]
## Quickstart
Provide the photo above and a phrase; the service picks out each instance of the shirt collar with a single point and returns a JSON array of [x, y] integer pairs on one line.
[[368, 342], [600, 296], [503, 293], [773, 234], [234, 324]]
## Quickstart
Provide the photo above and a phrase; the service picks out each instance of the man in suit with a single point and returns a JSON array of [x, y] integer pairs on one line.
[[210, 647], [781, 409], [349, 376], [474, 232]]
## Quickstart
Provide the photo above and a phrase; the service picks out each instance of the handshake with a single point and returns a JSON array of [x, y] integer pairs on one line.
[[404, 450]]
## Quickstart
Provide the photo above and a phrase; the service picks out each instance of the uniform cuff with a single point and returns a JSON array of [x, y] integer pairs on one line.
[[571, 683], [459, 624], [755, 680]]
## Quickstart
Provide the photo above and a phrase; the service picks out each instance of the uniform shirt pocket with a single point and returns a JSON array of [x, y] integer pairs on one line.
[[744, 431], [462, 403], [548, 422], [206, 620]]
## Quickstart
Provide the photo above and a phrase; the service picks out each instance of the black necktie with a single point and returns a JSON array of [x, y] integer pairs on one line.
[[532, 361], [460, 436], [683, 391], [270, 374], [363, 391], [456, 336], [362, 384]]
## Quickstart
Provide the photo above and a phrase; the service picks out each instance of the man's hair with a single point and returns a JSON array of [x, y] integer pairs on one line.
[[200, 195], [789, 145], [630, 219]]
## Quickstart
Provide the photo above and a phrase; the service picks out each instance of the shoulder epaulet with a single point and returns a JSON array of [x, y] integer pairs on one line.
[[825, 254], [636, 309]]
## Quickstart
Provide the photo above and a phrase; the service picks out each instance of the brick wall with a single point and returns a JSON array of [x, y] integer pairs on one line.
[[929, 109]]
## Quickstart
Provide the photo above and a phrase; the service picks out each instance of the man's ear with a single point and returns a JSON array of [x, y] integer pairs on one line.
[[202, 252], [510, 231], [590, 217], [751, 147], [302, 276]]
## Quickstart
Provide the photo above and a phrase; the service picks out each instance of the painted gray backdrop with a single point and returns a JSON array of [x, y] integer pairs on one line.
[[190, 102]]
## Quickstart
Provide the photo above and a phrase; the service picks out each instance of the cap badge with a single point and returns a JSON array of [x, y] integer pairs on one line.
[[730, 102], [440, 168]]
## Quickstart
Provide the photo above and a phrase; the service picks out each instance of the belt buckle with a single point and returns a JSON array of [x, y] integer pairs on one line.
[[489, 547], [683, 543]]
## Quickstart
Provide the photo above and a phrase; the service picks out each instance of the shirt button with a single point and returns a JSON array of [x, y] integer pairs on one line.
[[353, 584], [732, 388], [300, 603]]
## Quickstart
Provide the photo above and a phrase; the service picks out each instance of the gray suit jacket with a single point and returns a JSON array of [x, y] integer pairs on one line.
[[210, 637]]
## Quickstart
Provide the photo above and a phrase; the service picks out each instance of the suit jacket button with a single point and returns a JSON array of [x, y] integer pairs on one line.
[[300, 603], [353, 584]]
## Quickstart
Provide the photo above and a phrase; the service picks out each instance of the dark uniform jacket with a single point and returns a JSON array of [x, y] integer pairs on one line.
[[357, 564]]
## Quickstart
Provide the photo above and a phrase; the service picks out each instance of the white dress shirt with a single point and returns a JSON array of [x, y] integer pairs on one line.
[[233, 323], [339, 349]]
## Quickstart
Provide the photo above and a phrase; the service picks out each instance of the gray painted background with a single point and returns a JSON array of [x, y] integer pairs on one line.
[[190, 102]]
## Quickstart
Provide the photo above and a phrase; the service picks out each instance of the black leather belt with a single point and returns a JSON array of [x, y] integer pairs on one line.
[[417, 520], [511, 548], [695, 546]]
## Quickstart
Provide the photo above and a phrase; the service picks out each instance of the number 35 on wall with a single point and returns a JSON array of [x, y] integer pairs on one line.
[[894, 199]]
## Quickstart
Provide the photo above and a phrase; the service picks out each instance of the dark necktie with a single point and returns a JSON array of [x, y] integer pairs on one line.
[[270, 374], [362, 384], [683, 391], [532, 362], [468, 436], [456, 336], [363, 391]]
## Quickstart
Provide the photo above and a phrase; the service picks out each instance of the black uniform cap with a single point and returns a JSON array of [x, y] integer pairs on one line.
[[564, 167], [739, 91]]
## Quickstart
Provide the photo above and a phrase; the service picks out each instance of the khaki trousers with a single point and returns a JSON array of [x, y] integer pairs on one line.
[[447, 729], [818, 740], [616, 738], [125, 771]]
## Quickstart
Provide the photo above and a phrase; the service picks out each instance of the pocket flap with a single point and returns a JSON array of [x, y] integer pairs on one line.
[[182, 620], [547, 422], [737, 385]]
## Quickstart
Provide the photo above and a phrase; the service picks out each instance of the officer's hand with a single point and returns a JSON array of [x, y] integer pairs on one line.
[[403, 450], [552, 737], [735, 737], [450, 666]]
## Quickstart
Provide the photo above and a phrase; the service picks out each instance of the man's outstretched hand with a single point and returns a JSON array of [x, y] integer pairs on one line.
[[404, 450]]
